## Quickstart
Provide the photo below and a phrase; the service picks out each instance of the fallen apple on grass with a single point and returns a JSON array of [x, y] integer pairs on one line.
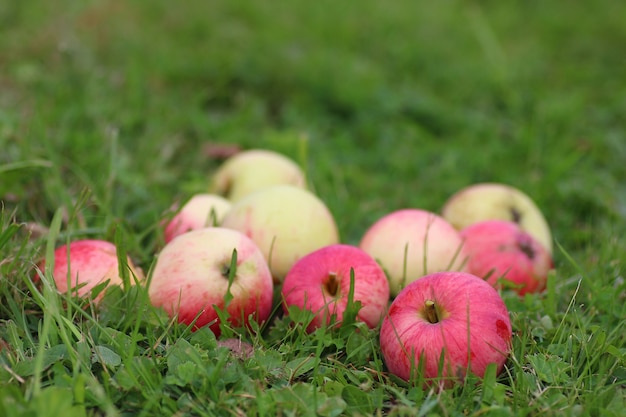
[[286, 222], [83, 264], [321, 283], [443, 326], [254, 169], [495, 201], [201, 210], [500, 251], [194, 277], [411, 243]]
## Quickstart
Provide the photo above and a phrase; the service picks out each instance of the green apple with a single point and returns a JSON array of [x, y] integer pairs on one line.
[[251, 170], [286, 222], [495, 201]]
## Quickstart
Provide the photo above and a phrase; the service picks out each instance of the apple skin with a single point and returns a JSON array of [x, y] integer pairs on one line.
[[472, 328], [190, 278], [254, 169], [286, 222], [88, 262], [432, 245], [495, 201], [201, 210], [320, 282], [499, 249]]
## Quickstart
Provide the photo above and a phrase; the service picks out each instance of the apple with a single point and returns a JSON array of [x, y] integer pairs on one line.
[[286, 222], [495, 201], [320, 282], [501, 250], [201, 210], [255, 169], [411, 243], [444, 325], [83, 264], [191, 279]]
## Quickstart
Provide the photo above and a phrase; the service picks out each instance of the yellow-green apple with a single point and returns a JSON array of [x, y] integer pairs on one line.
[[495, 201], [286, 222], [443, 326], [411, 243], [320, 282], [192, 279], [83, 264], [499, 250], [201, 210], [255, 169]]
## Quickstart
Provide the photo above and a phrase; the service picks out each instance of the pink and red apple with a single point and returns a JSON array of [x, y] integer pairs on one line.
[[411, 243], [500, 250], [201, 210], [443, 326], [320, 282], [83, 264], [191, 279], [495, 201]]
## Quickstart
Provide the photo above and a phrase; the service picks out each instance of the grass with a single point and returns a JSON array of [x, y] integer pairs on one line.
[[107, 113]]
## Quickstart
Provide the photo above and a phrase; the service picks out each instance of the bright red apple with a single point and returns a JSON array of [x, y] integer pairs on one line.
[[501, 250], [444, 325], [191, 279], [320, 282], [83, 264]]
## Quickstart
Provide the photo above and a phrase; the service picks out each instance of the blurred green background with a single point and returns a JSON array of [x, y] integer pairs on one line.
[[397, 104]]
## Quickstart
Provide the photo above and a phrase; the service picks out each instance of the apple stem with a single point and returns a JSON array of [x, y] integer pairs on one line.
[[431, 312], [332, 285], [528, 249], [516, 215]]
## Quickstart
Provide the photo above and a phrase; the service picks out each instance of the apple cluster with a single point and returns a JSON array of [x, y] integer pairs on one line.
[[431, 281]]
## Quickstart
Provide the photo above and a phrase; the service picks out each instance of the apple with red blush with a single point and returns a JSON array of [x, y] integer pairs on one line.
[[411, 243], [321, 283], [502, 253], [81, 265], [442, 327], [495, 201], [208, 270], [201, 210]]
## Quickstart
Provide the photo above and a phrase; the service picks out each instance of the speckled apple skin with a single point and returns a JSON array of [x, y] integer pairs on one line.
[[475, 331], [304, 285], [499, 249], [188, 279]]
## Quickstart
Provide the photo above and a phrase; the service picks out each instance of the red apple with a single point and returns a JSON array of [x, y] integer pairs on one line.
[[320, 282], [501, 250], [201, 210], [445, 324], [190, 280], [83, 264], [411, 243]]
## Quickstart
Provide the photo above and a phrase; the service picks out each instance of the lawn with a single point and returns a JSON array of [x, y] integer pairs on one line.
[[111, 111]]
